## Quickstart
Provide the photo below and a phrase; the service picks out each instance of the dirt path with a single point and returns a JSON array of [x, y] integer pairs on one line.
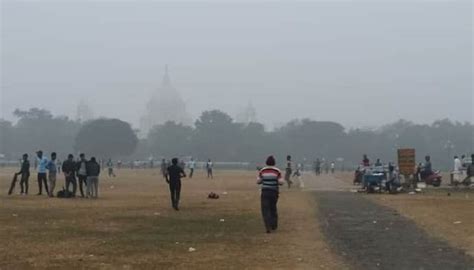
[[325, 182], [371, 236]]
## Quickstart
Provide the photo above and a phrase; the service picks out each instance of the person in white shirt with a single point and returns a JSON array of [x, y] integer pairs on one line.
[[209, 166], [457, 170], [192, 166]]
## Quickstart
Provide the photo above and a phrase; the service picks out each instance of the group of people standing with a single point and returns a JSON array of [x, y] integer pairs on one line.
[[321, 165], [463, 170], [83, 172], [191, 165]]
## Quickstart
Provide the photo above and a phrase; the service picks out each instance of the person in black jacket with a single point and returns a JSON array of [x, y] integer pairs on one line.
[[69, 170], [93, 171], [25, 175], [173, 178]]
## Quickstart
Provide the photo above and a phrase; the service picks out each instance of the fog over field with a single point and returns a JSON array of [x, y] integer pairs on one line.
[[359, 63]]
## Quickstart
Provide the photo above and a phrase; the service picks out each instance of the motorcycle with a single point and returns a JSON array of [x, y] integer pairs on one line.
[[434, 179]]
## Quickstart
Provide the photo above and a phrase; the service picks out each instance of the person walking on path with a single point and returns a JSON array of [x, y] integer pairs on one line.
[[52, 169], [317, 166], [25, 175], [288, 171], [81, 170], [192, 166], [93, 172], [209, 166], [269, 177], [173, 178], [42, 169], [69, 170]]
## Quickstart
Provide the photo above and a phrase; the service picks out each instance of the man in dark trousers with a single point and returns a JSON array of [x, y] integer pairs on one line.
[[53, 170], [288, 171], [69, 170], [81, 170], [25, 174], [42, 169], [93, 171], [270, 179], [173, 178]]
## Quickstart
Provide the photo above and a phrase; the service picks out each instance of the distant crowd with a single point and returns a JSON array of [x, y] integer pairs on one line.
[[83, 173]]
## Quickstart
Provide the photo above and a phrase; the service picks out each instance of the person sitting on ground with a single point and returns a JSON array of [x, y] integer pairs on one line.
[[269, 178]]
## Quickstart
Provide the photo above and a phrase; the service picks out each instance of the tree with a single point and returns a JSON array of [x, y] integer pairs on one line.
[[216, 136], [39, 129], [106, 138], [6, 138], [310, 139], [170, 140]]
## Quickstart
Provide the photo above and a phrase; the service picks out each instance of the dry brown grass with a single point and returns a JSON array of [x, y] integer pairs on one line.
[[132, 226]]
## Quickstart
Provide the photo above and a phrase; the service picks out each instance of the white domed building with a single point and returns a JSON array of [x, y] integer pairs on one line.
[[165, 104]]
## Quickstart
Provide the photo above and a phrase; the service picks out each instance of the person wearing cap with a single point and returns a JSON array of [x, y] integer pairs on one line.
[[69, 170], [42, 169], [269, 177], [52, 169], [93, 171], [173, 178], [81, 171]]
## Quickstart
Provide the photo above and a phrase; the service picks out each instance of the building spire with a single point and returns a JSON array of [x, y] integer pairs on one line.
[[166, 77]]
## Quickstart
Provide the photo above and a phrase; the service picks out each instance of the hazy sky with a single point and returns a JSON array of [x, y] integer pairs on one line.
[[356, 62]]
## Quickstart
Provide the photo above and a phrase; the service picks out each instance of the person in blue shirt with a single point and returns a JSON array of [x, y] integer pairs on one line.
[[42, 169], [52, 168]]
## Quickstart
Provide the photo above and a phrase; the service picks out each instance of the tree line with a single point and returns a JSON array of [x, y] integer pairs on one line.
[[217, 136]]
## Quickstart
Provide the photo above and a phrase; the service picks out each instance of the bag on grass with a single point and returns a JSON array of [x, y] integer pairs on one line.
[[64, 194]]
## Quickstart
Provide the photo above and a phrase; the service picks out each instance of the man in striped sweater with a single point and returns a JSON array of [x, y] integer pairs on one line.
[[269, 178]]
